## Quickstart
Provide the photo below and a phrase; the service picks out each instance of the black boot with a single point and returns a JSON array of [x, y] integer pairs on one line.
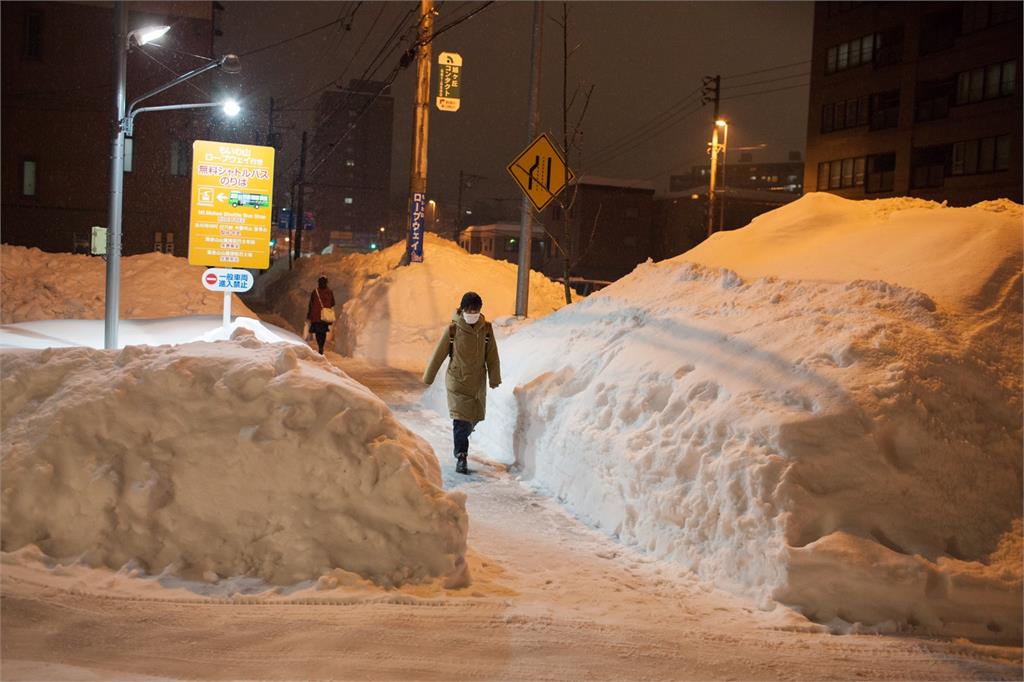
[[460, 463]]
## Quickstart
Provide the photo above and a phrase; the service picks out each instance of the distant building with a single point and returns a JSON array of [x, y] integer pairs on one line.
[[57, 124], [916, 98], [680, 218], [501, 242], [741, 171], [350, 172], [609, 229]]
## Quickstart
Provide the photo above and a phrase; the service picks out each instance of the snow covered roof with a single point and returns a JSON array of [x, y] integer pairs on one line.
[[503, 228], [738, 193]]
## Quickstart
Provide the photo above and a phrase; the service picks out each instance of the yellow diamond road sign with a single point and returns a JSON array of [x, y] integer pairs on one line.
[[541, 172]]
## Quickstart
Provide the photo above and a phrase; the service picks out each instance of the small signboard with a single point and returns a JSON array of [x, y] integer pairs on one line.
[[449, 81], [541, 172], [98, 241], [227, 279], [229, 222], [415, 246]]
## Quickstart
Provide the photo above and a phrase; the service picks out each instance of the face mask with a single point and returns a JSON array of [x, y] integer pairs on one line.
[[471, 318]]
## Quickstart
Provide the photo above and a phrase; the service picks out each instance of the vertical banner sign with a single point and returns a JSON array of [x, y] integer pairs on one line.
[[449, 80], [229, 223], [416, 228]]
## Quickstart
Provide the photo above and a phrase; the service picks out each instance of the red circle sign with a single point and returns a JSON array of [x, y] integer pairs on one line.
[[211, 278]]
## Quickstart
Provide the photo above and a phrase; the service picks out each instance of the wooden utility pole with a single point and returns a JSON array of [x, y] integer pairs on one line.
[[421, 121], [301, 187], [532, 123]]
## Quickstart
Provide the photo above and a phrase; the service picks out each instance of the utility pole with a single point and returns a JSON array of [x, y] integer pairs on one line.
[[418, 172], [301, 199], [711, 93], [465, 180], [532, 123]]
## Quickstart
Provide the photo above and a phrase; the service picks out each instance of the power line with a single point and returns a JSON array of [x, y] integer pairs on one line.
[[293, 38], [681, 103], [664, 121], [802, 74], [669, 125], [765, 92], [770, 68], [175, 73]]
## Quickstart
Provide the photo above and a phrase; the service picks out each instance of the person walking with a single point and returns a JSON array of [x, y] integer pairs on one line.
[[320, 314], [468, 343]]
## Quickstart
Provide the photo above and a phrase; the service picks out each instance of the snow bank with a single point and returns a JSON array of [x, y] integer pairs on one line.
[[37, 285], [210, 460], [394, 315], [826, 436]]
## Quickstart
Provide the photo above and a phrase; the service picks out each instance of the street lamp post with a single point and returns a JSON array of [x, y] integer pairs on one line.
[[714, 149], [725, 151], [124, 126]]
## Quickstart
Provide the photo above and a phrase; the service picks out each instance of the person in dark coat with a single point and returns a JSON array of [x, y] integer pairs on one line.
[[320, 300], [473, 364]]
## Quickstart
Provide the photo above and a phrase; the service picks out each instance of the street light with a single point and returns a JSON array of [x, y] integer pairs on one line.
[[724, 125], [713, 149], [124, 126]]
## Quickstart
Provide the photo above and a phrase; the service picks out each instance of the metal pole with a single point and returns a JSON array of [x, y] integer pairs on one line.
[[421, 115], [721, 199], [532, 123], [300, 215], [113, 287], [227, 309], [458, 211]]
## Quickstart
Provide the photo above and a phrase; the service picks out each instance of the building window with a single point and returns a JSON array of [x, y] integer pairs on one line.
[[990, 82], [180, 163], [928, 166], [350, 162], [850, 54], [846, 114], [841, 174], [978, 16], [987, 155], [28, 178], [889, 46], [885, 110], [32, 45], [940, 29], [510, 245], [348, 200], [933, 99], [881, 172]]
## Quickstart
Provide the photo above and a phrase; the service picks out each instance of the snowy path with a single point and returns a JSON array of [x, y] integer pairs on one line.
[[551, 599]]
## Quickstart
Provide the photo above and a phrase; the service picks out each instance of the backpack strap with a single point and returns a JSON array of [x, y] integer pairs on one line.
[[451, 340]]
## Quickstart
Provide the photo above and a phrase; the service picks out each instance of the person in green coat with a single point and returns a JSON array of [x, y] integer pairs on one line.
[[468, 343]]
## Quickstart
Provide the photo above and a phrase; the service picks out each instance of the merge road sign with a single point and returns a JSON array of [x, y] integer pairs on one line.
[[230, 219], [541, 172], [449, 81]]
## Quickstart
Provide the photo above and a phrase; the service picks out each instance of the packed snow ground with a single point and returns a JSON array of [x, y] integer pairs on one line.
[[210, 460], [808, 429], [38, 285], [550, 600], [393, 315]]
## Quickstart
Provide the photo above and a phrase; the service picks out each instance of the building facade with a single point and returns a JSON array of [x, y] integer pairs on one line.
[[350, 173], [608, 232], [501, 242], [58, 117], [916, 98]]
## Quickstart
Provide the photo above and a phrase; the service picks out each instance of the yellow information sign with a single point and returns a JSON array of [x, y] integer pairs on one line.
[[541, 172], [232, 190]]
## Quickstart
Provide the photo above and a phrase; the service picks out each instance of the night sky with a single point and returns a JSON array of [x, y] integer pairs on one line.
[[641, 57]]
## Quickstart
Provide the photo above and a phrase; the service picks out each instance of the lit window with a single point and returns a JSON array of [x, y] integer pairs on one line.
[[348, 200], [350, 162], [28, 178]]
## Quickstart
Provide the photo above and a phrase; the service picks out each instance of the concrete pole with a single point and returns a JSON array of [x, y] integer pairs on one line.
[[711, 186], [421, 125], [532, 123], [301, 201], [114, 212]]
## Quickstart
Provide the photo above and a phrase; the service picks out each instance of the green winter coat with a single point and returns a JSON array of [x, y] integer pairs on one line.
[[471, 365]]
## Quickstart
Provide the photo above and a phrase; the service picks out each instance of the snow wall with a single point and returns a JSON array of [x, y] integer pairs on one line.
[[38, 285], [395, 315], [222, 459], [821, 409]]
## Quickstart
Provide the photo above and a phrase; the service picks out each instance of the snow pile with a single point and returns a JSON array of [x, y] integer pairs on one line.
[[394, 315], [211, 460], [805, 427], [37, 285]]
